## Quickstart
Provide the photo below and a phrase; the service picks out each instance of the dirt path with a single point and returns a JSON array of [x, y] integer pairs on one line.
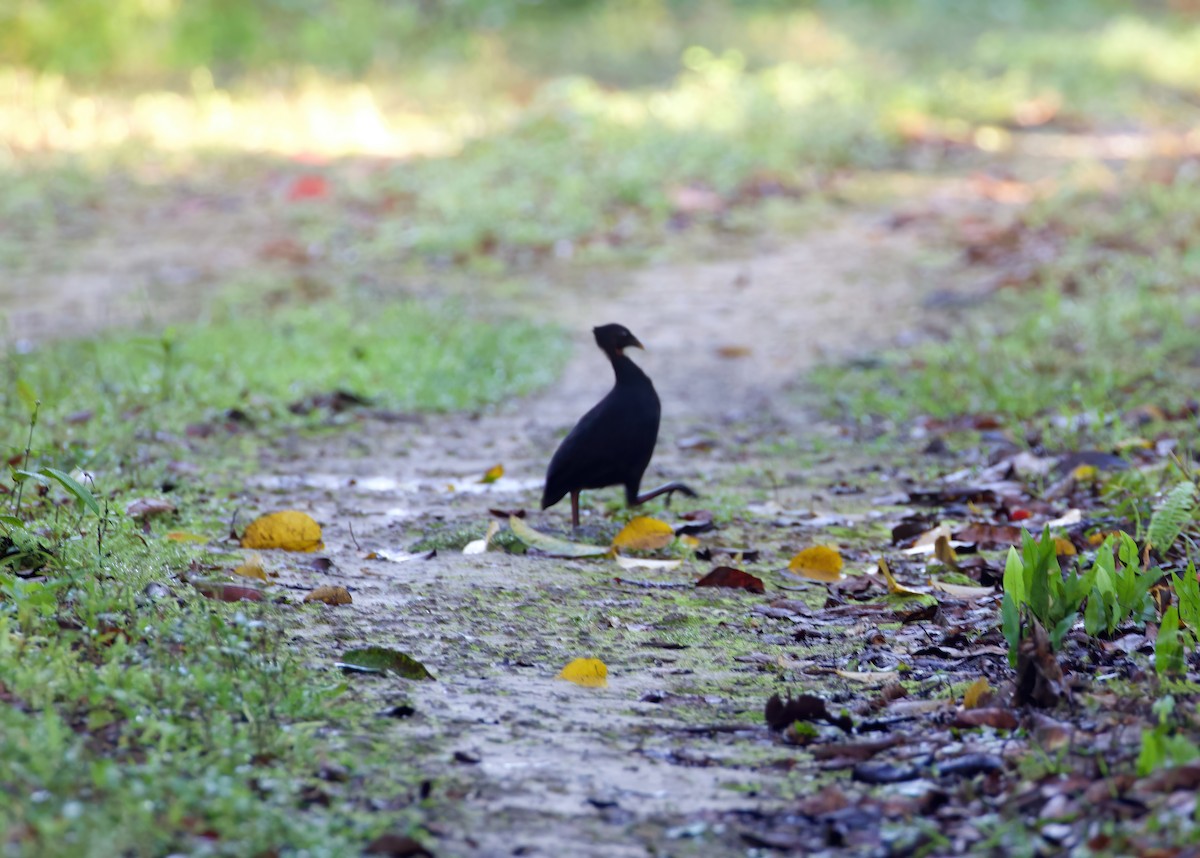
[[554, 769]]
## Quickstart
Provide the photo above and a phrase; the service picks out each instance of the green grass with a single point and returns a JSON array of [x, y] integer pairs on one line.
[[143, 724], [1107, 326], [402, 356]]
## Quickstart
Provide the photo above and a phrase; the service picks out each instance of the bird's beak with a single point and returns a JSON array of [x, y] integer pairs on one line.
[[635, 344]]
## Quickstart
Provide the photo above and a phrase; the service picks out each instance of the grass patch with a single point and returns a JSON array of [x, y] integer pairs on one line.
[[1108, 326], [403, 356], [141, 720]]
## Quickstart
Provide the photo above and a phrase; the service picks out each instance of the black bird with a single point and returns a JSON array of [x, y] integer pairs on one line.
[[611, 444]]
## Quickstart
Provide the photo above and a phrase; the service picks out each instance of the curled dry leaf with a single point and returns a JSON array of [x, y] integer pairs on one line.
[[644, 534], [961, 591], [143, 508], [894, 587], [552, 546], [330, 595], [727, 576], [819, 562], [290, 530], [588, 672], [780, 713], [646, 563], [223, 592], [479, 546]]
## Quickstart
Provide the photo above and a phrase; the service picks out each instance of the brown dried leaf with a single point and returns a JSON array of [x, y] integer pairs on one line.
[[727, 576], [330, 595]]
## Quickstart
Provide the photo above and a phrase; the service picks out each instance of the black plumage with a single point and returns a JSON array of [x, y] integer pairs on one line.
[[611, 444]]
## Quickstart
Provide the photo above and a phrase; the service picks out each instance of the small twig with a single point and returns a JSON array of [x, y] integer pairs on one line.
[[357, 547]]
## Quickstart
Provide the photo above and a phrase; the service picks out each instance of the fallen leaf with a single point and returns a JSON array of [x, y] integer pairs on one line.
[[644, 534], [646, 563], [223, 592], [252, 568], [944, 553], [377, 659], [978, 694], [894, 587], [589, 672], [997, 719], [853, 750], [148, 507], [479, 546], [1063, 547], [727, 576], [330, 595], [961, 591], [290, 530], [1040, 678], [819, 562], [308, 187], [399, 556], [781, 713], [492, 474], [696, 521], [552, 546], [733, 352], [868, 676], [181, 536]]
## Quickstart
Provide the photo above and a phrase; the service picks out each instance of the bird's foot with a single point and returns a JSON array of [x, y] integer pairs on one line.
[[668, 490]]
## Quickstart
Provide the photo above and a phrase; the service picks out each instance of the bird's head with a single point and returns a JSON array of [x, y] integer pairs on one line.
[[614, 339]]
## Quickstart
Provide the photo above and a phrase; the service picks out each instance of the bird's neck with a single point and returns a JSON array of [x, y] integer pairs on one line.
[[627, 371]]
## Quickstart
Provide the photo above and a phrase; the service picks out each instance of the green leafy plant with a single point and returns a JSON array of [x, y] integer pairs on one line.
[[1170, 519], [1034, 584], [1168, 647], [1160, 747], [1187, 595], [1121, 594]]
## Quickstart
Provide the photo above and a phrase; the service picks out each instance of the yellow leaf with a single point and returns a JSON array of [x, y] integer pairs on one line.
[[552, 546], [478, 546], [492, 474], [690, 541], [820, 563], [944, 553], [644, 534], [290, 530], [894, 587], [1063, 547], [252, 568], [1085, 473], [590, 672], [180, 536], [977, 695], [330, 595]]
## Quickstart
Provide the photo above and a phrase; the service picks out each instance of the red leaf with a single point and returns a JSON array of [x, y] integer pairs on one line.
[[308, 187], [727, 576]]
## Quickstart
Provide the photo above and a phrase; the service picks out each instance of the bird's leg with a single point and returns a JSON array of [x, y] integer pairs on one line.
[[667, 490], [575, 510]]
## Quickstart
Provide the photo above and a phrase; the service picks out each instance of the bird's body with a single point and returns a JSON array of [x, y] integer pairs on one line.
[[613, 442]]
